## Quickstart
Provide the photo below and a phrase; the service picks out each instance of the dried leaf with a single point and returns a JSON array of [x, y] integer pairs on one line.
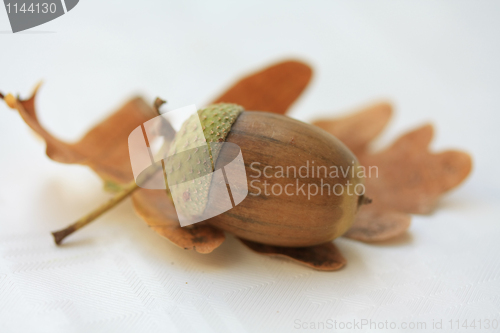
[[410, 178], [323, 257], [273, 89], [104, 148]]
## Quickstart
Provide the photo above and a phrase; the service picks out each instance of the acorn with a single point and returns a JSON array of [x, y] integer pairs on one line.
[[304, 184]]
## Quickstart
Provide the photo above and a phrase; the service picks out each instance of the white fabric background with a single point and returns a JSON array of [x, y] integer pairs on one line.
[[438, 61]]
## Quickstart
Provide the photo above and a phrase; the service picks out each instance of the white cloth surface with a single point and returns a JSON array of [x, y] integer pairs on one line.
[[436, 61]]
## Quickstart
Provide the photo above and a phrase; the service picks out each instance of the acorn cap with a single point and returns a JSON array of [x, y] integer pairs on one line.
[[192, 156]]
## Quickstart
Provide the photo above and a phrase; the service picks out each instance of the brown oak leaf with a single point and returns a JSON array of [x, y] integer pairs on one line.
[[410, 179]]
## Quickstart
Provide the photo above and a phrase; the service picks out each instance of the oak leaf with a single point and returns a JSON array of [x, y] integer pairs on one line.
[[411, 179]]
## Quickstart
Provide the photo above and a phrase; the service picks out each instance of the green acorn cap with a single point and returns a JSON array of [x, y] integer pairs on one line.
[[191, 158]]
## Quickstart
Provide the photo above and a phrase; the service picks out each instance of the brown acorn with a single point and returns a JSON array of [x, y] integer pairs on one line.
[[304, 184]]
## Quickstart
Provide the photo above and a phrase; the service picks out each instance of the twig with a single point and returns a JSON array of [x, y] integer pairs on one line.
[[60, 235]]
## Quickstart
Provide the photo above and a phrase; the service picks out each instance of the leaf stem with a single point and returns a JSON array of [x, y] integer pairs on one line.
[[60, 235]]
